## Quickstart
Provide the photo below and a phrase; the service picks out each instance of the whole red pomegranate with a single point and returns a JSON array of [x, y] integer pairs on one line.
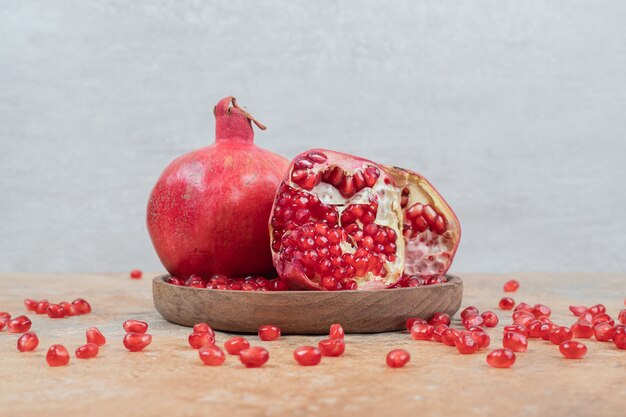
[[208, 212], [343, 222]]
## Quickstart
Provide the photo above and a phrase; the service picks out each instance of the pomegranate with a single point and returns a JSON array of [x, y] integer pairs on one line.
[[208, 211], [344, 222]]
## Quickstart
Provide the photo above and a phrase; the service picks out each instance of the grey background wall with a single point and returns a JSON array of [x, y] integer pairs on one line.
[[516, 111]]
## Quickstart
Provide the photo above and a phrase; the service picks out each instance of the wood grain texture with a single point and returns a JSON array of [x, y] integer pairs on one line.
[[167, 379], [305, 312]]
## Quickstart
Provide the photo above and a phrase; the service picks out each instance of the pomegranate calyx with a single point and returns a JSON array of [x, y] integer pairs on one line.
[[233, 122]]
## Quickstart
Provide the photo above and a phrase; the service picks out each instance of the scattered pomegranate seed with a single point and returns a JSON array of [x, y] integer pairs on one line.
[[439, 318], [254, 357], [137, 341], [307, 355], [466, 344], [414, 320], [55, 311], [336, 332], [582, 329], [471, 310], [135, 326], [5, 315], [506, 303], [448, 337], [88, 351], [619, 337], [541, 310], [422, 331], [578, 310], [203, 328], [199, 339], [621, 317], [438, 331], [31, 305], [94, 336], [42, 307], [81, 306], [602, 318], [573, 350], [473, 321], [211, 355], [586, 316], [489, 319], [534, 329], [235, 345], [524, 307], [603, 332], [516, 328], [501, 358], [597, 309], [332, 347], [560, 334], [515, 341], [175, 281], [57, 356], [480, 337], [546, 329], [19, 324], [27, 342], [511, 286], [269, 332], [3, 322], [136, 273], [397, 358]]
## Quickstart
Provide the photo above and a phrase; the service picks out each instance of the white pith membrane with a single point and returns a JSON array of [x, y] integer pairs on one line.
[[428, 253]]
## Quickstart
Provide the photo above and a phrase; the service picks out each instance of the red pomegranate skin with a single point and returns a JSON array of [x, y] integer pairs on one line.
[[208, 212]]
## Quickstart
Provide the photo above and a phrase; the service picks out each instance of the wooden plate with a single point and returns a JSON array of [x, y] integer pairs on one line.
[[305, 312]]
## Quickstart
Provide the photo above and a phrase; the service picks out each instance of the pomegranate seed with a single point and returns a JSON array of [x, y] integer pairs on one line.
[[332, 347], [587, 316], [448, 337], [621, 317], [516, 328], [55, 311], [466, 344], [534, 329], [42, 307], [27, 342], [397, 358], [203, 328], [560, 334], [307, 355], [506, 303], [57, 356], [524, 320], [471, 310], [211, 355], [573, 350], [473, 321], [480, 337], [81, 306], [88, 351], [546, 329], [414, 320], [619, 337], [501, 358], [524, 307], [603, 332], [582, 329], [422, 331], [235, 345], [515, 341], [175, 281], [541, 310], [135, 326], [3, 322], [5, 315], [602, 318], [578, 310], [336, 332], [94, 336], [137, 341], [199, 339], [31, 305], [511, 286], [438, 331], [136, 273], [490, 319], [597, 309], [19, 324], [439, 318], [254, 357], [269, 332]]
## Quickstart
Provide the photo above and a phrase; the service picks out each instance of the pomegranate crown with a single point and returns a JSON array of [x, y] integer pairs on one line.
[[233, 123]]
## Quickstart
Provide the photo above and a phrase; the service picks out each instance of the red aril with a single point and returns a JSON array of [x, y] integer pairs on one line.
[[439, 318], [175, 281], [572, 349], [336, 332], [480, 337], [619, 337], [3, 322], [466, 343], [42, 307], [501, 358], [515, 341], [135, 342], [578, 310], [586, 316], [422, 331], [397, 358], [534, 329], [5, 315], [30, 304], [211, 355], [269, 332], [597, 309], [88, 351], [602, 318], [546, 329], [438, 331], [55, 311], [136, 274], [524, 307], [235, 345], [199, 339], [473, 320], [19, 324], [469, 311], [414, 320], [489, 319], [203, 328], [448, 337], [541, 310], [57, 356], [219, 198], [27, 342], [94, 336], [603, 332], [506, 303], [516, 328], [560, 334], [582, 329], [307, 355], [69, 309], [332, 347], [621, 317], [81, 306], [135, 326], [254, 357], [524, 320], [511, 286]]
